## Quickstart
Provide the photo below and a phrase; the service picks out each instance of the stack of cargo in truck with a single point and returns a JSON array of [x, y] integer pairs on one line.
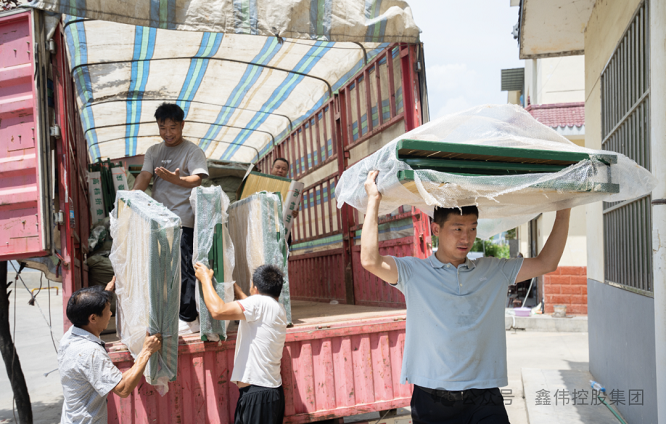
[[289, 190]]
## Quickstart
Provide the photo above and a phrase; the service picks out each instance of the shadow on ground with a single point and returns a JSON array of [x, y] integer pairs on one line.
[[42, 413]]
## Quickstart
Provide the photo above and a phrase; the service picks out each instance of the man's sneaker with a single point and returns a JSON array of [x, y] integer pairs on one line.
[[188, 327]]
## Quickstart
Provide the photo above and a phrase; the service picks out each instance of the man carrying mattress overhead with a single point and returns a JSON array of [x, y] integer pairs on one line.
[[455, 347], [178, 166]]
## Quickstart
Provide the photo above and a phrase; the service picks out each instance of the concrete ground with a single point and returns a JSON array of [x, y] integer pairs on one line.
[[35, 350], [525, 349]]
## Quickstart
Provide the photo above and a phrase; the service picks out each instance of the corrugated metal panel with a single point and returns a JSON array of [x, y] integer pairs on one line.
[[350, 368], [21, 216], [513, 79], [317, 276]]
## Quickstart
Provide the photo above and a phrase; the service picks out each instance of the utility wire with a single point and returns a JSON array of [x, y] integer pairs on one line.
[[18, 277]]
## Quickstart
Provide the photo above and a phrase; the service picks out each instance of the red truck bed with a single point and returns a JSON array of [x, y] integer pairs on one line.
[[338, 360]]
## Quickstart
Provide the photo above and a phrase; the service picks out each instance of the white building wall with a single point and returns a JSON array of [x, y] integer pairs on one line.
[[555, 80]]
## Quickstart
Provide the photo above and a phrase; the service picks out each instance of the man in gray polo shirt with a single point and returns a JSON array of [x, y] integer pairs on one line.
[[87, 374], [455, 347], [178, 165]]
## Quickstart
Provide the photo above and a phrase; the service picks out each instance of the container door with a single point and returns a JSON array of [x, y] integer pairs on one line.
[[25, 227]]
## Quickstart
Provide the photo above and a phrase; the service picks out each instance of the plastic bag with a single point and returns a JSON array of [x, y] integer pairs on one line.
[[146, 260], [211, 238], [258, 234], [504, 201]]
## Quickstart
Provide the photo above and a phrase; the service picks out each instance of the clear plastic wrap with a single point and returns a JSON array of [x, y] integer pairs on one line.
[[146, 260], [213, 248], [504, 201], [258, 234]]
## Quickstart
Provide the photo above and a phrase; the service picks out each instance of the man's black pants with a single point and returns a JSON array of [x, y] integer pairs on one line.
[[485, 406], [260, 405], [188, 301]]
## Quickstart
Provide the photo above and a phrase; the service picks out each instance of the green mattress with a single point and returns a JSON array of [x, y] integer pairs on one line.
[[146, 260], [257, 232], [213, 248]]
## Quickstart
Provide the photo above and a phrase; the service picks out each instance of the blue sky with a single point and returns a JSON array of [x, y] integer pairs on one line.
[[466, 45]]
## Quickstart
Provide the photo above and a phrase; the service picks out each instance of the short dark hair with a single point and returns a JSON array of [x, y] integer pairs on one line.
[[268, 280], [442, 214], [283, 160], [85, 302], [169, 111]]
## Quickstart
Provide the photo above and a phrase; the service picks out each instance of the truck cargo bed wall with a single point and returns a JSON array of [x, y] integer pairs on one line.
[[370, 110], [345, 369]]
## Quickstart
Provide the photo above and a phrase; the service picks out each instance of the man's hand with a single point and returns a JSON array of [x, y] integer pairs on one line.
[[371, 186], [294, 213], [132, 377], [202, 273], [112, 285], [152, 344], [167, 175], [238, 292]]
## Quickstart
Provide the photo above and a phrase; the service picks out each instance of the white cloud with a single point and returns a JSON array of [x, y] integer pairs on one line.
[[467, 44], [450, 77], [453, 105]]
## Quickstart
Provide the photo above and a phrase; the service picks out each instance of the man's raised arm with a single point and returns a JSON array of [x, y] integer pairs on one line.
[[142, 181], [550, 255], [383, 267]]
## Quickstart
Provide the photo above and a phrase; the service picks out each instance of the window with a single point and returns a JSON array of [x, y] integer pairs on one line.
[[625, 128]]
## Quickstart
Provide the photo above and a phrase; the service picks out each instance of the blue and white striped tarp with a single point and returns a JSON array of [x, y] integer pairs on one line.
[[244, 71]]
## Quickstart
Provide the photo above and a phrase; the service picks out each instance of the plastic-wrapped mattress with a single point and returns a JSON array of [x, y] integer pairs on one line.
[[213, 248], [146, 260], [497, 157], [258, 234]]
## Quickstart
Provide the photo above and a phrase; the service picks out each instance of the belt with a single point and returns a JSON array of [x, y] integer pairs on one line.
[[448, 394]]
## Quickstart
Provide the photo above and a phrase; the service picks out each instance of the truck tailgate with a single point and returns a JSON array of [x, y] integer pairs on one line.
[[329, 369]]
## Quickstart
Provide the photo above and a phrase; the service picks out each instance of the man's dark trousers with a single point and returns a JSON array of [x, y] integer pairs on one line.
[[188, 303], [484, 406]]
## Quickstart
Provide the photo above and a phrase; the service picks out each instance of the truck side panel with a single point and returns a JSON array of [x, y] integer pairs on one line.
[[381, 102], [347, 369], [72, 164]]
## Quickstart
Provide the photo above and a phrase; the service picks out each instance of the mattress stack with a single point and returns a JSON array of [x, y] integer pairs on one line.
[[213, 248], [258, 235], [146, 260], [290, 193]]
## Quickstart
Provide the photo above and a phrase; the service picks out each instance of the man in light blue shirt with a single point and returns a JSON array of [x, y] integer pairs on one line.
[[87, 373], [455, 347]]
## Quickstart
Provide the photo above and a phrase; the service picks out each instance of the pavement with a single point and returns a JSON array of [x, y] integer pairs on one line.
[[35, 349], [550, 400], [544, 323], [556, 354]]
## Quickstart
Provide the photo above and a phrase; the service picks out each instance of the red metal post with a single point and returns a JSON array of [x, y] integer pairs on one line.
[[346, 221]]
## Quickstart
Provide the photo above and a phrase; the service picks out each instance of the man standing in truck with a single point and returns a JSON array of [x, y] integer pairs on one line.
[[280, 168], [178, 166], [455, 347]]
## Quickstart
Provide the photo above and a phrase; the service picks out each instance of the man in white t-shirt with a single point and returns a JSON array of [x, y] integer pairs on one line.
[[261, 334], [178, 166]]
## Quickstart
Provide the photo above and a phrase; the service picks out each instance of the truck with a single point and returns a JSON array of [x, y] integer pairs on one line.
[[343, 355]]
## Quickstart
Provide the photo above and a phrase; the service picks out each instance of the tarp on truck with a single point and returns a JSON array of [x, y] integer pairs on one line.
[[262, 67]]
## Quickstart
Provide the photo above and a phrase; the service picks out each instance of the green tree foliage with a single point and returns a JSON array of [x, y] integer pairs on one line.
[[496, 250]]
